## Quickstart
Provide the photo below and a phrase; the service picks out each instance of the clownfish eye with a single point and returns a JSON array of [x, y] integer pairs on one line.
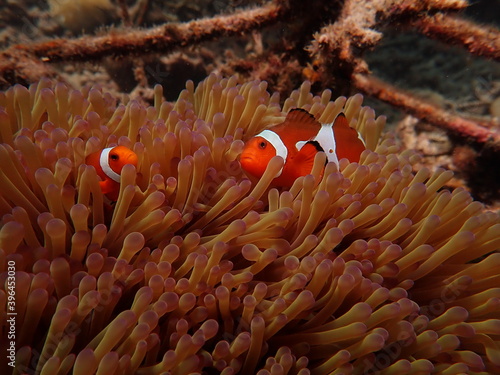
[[262, 144], [114, 157]]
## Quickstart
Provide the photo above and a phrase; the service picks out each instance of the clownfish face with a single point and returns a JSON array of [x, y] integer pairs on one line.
[[119, 156], [108, 164], [256, 156]]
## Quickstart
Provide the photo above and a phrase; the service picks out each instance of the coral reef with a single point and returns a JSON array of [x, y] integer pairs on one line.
[[326, 43], [366, 268], [362, 269]]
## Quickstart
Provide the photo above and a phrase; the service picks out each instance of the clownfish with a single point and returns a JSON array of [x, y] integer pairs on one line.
[[108, 164], [297, 140]]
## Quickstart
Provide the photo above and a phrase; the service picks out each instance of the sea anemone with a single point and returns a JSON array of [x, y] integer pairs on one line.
[[364, 268]]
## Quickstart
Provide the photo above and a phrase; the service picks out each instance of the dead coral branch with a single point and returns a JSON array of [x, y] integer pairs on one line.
[[425, 110], [340, 46], [164, 38], [358, 27], [478, 40]]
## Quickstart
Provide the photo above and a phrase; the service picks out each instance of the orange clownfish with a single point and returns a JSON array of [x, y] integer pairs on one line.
[[297, 140], [108, 164]]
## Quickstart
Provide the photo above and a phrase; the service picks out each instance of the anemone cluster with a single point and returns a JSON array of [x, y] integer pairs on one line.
[[364, 268]]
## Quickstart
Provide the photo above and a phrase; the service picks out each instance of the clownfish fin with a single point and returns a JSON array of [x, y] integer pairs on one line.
[[107, 186], [304, 160], [110, 189], [348, 141], [302, 117]]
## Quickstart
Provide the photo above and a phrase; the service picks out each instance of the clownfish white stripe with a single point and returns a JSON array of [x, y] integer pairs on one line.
[[275, 140], [326, 140], [104, 162], [300, 144]]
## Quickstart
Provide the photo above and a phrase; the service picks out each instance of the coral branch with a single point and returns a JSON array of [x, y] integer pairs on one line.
[[340, 46], [164, 38], [143, 7], [425, 110], [359, 21], [17, 65], [479, 40], [124, 13]]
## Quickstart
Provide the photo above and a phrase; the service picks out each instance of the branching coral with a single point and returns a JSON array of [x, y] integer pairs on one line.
[[340, 46], [340, 33], [365, 268]]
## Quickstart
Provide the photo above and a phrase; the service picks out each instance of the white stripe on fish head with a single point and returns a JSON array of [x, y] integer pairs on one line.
[[106, 168], [275, 140]]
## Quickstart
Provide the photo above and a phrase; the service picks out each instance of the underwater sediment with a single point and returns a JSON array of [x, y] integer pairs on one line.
[[365, 268]]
